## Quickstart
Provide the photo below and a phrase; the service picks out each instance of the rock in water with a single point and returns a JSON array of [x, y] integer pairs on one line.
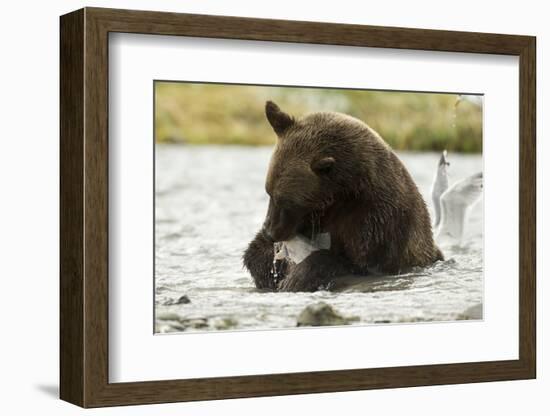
[[322, 314], [183, 300], [225, 323], [473, 312], [172, 322], [195, 323], [168, 316]]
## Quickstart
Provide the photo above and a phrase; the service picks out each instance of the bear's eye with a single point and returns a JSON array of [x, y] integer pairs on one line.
[[323, 166]]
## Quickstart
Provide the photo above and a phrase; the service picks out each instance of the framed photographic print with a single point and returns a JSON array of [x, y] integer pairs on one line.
[[255, 207]]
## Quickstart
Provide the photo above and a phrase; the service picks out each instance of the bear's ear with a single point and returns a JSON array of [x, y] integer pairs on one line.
[[323, 166], [279, 120]]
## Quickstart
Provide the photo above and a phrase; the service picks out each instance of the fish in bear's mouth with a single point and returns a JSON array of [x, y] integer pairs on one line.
[[300, 247], [308, 238]]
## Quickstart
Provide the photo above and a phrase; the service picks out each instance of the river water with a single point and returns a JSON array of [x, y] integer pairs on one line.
[[209, 203]]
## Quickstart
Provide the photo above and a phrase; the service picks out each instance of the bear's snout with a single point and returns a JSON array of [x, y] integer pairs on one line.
[[281, 223], [267, 234]]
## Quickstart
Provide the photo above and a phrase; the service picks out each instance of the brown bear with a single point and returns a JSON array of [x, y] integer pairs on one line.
[[332, 173]]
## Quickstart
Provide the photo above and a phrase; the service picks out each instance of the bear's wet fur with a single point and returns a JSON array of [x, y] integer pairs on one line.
[[332, 173]]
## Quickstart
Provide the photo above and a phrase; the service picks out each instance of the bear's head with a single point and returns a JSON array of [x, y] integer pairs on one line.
[[312, 165]]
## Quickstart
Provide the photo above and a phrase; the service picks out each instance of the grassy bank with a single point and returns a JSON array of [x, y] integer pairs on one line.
[[232, 114]]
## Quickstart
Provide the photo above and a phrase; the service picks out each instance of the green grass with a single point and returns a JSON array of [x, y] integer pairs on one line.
[[234, 114]]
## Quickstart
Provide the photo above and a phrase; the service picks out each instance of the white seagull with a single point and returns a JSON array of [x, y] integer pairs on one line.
[[452, 204]]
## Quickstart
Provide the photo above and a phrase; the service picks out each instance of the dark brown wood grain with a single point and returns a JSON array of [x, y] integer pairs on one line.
[[71, 213], [527, 207], [84, 207]]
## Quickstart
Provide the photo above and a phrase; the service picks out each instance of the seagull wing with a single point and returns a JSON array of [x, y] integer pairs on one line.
[[439, 186], [455, 204]]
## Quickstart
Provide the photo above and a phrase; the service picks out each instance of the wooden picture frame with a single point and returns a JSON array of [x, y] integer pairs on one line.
[[84, 207]]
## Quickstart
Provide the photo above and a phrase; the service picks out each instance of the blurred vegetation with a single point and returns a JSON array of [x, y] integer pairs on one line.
[[234, 114]]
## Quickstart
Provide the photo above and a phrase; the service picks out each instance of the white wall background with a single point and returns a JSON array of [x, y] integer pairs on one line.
[[29, 158]]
